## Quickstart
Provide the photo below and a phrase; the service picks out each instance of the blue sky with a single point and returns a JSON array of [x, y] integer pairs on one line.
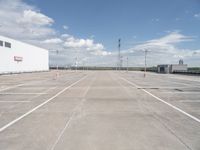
[[132, 20], [92, 28]]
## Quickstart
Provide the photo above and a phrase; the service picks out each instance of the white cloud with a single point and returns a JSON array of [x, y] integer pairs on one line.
[[53, 41], [155, 20], [134, 37], [65, 35], [65, 27], [24, 22], [35, 18], [27, 23], [163, 50], [86, 44], [197, 16], [166, 42], [173, 37]]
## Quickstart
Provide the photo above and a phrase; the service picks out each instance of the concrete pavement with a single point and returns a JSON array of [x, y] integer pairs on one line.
[[99, 110]]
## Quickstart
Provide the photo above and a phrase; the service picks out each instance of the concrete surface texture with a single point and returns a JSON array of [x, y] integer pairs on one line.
[[99, 110]]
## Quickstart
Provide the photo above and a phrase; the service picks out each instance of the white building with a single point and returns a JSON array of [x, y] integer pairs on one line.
[[178, 68], [166, 68], [16, 56]]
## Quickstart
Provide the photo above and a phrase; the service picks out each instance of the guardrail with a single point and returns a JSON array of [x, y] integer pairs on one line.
[[187, 72]]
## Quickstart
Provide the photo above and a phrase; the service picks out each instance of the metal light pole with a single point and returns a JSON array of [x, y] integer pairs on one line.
[[121, 62], [57, 74], [57, 62], [56, 51], [119, 54], [145, 63], [127, 64], [76, 63]]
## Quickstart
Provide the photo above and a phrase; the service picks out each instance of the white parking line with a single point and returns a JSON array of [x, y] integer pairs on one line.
[[6, 83], [14, 101], [27, 83], [12, 87], [186, 84], [180, 92], [18, 85], [160, 87], [35, 108], [197, 80], [45, 91], [189, 101], [22, 93], [72, 115], [161, 100]]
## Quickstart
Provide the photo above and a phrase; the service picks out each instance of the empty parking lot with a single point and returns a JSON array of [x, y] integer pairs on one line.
[[99, 110]]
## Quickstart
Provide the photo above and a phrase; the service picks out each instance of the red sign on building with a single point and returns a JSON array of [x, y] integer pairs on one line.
[[18, 58]]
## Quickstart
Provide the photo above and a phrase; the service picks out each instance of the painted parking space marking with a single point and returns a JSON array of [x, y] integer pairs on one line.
[[163, 101], [22, 93], [37, 107], [15, 101], [189, 101]]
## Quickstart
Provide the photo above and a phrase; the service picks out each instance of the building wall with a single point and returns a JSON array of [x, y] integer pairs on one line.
[[177, 67], [22, 57], [163, 68]]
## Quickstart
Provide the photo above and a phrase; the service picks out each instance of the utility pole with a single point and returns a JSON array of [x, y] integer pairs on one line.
[[145, 62], [119, 54], [57, 73], [127, 64], [57, 62], [76, 63], [56, 67]]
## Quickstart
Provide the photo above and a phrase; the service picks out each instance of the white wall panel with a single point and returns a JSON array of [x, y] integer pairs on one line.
[[34, 58]]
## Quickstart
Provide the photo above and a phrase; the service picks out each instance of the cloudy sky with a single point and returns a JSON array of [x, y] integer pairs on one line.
[[89, 29]]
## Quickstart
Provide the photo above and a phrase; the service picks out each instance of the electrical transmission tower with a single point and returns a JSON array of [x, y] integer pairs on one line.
[[119, 55]]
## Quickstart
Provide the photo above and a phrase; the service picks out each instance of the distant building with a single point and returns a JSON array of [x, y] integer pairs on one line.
[[170, 68], [164, 68], [16, 56]]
